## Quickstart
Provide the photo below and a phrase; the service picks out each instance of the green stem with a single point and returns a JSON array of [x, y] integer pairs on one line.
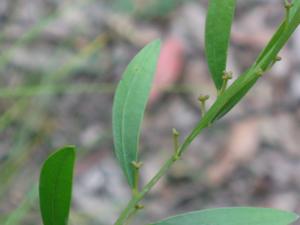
[[131, 215], [207, 120], [164, 169], [137, 198], [221, 106], [175, 141], [135, 189]]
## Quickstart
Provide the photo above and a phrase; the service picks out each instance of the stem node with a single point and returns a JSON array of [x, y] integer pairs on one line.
[[278, 58], [139, 206], [202, 99], [288, 5], [176, 157], [259, 72], [226, 77], [137, 165]]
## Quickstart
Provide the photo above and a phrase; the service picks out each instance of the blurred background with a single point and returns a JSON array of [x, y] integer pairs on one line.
[[60, 62]]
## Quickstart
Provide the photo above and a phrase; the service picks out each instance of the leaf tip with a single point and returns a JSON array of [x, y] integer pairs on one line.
[[294, 217], [157, 41], [155, 44], [69, 150]]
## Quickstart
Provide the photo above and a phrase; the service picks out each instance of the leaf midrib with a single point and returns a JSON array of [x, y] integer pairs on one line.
[[55, 189], [123, 113]]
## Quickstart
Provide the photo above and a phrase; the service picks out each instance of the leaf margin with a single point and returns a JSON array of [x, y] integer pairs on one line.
[[216, 50], [162, 222], [119, 149], [69, 152]]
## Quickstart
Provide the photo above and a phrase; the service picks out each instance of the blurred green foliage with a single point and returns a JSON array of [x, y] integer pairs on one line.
[[147, 9]]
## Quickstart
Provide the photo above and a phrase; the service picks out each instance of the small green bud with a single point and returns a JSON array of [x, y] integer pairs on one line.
[[288, 5], [203, 98], [259, 72], [176, 157], [227, 75], [139, 206], [175, 132], [136, 165], [278, 58]]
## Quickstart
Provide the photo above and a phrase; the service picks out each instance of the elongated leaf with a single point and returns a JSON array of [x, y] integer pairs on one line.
[[235, 99], [129, 105], [55, 187], [217, 35], [272, 42], [232, 216], [235, 93], [294, 18], [283, 32], [294, 11], [265, 59]]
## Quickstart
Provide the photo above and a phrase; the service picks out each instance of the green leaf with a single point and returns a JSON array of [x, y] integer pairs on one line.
[[281, 36], [264, 60], [129, 106], [295, 15], [217, 35], [271, 43], [235, 99], [232, 216], [55, 188]]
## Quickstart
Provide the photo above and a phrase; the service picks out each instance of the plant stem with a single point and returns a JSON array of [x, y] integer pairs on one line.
[[131, 215], [164, 169], [207, 120], [229, 98], [137, 198]]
